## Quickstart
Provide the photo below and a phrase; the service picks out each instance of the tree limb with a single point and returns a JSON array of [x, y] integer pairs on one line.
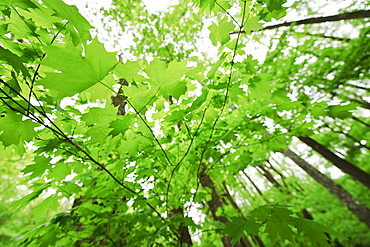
[[339, 17]]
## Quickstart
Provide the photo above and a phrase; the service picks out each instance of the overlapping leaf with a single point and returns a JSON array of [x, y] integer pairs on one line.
[[75, 73]]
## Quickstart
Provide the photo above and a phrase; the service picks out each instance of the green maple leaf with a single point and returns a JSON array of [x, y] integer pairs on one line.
[[279, 228], [78, 26], [315, 231], [274, 4], [341, 111], [100, 116], [17, 3], [134, 143], [216, 65], [98, 133], [77, 72], [59, 171], [49, 204], [41, 164], [129, 71], [18, 27], [43, 17], [236, 228], [167, 78], [14, 61], [221, 33], [121, 125], [15, 130], [33, 195], [140, 97], [252, 24]]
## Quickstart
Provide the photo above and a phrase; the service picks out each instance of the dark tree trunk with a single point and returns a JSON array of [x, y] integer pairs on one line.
[[183, 231], [355, 206], [255, 186], [342, 164], [277, 172], [255, 239], [328, 37], [367, 89], [352, 138], [295, 186], [363, 103], [214, 204], [360, 121], [269, 176]]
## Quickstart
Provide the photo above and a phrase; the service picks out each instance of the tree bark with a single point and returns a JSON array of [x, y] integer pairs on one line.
[[342, 164], [351, 137], [214, 204], [363, 103], [315, 20], [183, 230], [360, 121], [255, 239], [367, 89], [269, 177], [254, 185], [356, 207]]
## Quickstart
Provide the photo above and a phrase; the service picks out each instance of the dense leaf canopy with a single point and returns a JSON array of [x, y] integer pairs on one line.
[[212, 123]]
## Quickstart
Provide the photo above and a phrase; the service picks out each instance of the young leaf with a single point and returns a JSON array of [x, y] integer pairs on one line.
[[39, 168], [15, 130], [14, 61], [221, 33], [169, 79], [80, 27]]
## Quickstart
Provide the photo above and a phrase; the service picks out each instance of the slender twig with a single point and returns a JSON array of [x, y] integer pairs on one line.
[[57, 130], [232, 17], [185, 154], [37, 71], [151, 131], [225, 99], [22, 18]]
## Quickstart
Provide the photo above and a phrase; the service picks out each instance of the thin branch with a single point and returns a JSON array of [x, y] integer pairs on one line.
[[185, 154], [319, 35], [224, 103], [315, 20], [151, 131], [57, 130], [37, 71], [232, 18]]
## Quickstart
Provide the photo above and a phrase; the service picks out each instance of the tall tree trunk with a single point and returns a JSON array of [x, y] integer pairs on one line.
[[360, 121], [269, 176], [214, 204], [352, 138], [255, 186], [296, 185], [252, 193], [342, 164], [356, 207], [278, 172], [183, 231], [363, 103], [320, 35], [255, 239]]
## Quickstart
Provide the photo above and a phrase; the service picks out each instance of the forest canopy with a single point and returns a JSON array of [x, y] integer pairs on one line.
[[207, 123]]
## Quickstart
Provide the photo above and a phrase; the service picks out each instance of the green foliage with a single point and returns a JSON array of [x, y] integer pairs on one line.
[[117, 153]]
